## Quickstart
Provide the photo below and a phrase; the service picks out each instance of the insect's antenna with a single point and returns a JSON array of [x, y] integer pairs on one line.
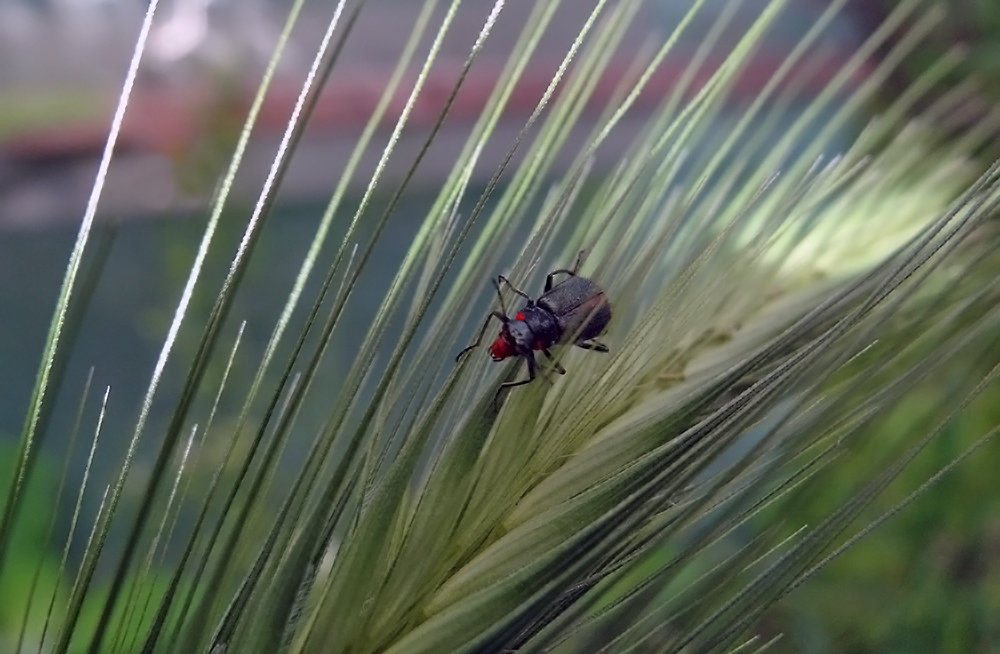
[[501, 278]]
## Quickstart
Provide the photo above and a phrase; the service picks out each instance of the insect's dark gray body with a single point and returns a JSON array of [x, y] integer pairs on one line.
[[574, 310], [580, 308]]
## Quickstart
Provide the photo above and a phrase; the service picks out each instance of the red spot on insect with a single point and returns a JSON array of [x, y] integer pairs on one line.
[[519, 316], [501, 348], [539, 344]]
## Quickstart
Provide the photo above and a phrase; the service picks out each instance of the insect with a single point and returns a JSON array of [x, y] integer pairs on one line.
[[575, 308]]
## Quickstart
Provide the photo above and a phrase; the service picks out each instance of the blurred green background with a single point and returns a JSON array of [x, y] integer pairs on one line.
[[927, 581]]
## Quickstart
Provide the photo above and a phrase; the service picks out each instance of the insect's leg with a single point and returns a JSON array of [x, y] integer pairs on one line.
[[532, 372], [555, 364], [570, 272], [501, 278], [493, 314], [548, 278], [496, 285], [592, 345]]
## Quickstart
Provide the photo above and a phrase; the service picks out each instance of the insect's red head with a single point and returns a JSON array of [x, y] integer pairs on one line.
[[503, 347]]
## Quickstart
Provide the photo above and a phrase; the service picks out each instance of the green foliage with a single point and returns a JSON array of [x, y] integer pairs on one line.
[[784, 322], [32, 563], [933, 566]]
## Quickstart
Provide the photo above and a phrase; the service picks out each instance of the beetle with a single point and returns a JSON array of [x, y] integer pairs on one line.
[[574, 309]]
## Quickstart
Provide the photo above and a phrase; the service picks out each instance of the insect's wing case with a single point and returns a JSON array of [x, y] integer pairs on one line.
[[580, 306]]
